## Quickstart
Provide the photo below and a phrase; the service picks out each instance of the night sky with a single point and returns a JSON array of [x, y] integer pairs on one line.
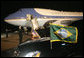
[[8, 7]]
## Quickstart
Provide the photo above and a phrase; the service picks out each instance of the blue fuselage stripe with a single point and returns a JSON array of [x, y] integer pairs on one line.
[[23, 12]]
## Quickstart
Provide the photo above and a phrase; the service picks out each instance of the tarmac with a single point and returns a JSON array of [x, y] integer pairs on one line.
[[12, 41]]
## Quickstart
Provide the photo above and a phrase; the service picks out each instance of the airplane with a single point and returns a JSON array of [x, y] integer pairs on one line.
[[37, 18]]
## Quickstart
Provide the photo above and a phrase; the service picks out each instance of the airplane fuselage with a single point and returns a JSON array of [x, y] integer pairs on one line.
[[41, 17]]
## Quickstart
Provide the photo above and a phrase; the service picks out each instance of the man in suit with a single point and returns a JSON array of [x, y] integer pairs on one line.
[[20, 35]]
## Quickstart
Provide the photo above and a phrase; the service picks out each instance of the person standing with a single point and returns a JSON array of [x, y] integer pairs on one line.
[[20, 34], [6, 33]]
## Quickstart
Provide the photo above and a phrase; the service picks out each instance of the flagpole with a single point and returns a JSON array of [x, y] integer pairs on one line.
[[50, 45], [50, 40]]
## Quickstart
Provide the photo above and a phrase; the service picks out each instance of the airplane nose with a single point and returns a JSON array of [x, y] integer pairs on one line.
[[16, 22], [7, 20]]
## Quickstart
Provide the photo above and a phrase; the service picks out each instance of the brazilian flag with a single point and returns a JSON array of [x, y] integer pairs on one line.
[[63, 33]]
